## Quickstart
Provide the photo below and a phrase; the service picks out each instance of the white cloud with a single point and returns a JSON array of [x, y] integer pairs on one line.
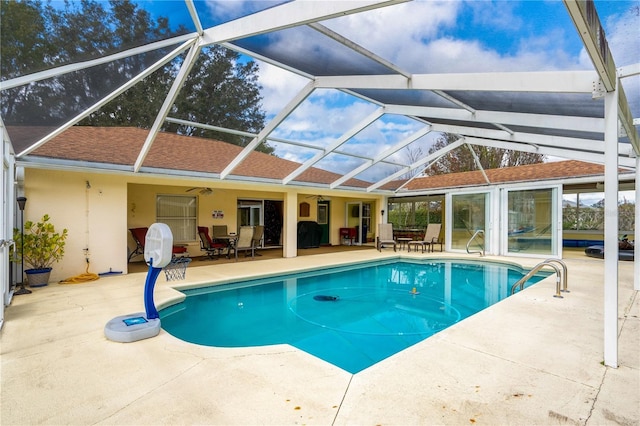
[[623, 36], [383, 30], [278, 86]]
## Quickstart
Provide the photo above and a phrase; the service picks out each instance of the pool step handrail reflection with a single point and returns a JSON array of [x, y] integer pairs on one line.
[[473, 237]]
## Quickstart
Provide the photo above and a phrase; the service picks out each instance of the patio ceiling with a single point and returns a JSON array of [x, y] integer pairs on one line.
[[557, 113]]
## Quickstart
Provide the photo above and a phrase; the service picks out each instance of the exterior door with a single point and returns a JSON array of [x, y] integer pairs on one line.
[[323, 221], [273, 220], [249, 213], [469, 214], [532, 222]]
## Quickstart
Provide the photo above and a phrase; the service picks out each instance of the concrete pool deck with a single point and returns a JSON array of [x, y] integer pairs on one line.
[[530, 359]]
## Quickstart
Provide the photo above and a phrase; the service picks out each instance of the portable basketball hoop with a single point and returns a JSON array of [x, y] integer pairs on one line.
[[176, 269], [142, 325]]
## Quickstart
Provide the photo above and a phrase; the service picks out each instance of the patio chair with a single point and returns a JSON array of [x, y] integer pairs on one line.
[[139, 236], [431, 237], [219, 232], [211, 247], [256, 241], [244, 242], [385, 236]]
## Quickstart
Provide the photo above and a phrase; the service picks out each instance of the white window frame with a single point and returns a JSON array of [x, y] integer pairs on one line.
[[556, 219], [182, 217]]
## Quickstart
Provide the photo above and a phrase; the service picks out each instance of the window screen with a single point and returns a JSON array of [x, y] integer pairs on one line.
[[179, 213]]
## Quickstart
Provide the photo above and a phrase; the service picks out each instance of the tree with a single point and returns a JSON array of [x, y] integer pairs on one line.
[[221, 90], [24, 48], [412, 154], [462, 160]]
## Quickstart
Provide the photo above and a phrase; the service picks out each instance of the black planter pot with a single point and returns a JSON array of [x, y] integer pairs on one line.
[[38, 277]]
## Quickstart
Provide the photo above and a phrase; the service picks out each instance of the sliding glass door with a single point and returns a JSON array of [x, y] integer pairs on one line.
[[531, 216], [469, 214]]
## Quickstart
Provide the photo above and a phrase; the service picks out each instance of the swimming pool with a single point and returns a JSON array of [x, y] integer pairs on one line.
[[352, 317]]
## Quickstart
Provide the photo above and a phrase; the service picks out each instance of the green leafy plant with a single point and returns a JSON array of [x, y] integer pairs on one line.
[[40, 245]]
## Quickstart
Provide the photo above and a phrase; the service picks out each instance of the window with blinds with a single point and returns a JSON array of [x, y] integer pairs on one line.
[[179, 213]]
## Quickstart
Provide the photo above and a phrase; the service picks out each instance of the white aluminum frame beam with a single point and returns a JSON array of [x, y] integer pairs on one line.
[[169, 57], [586, 20], [429, 158], [380, 157], [188, 63], [265, 59], [547, 121], [357, 48], [287, 15], [590, 157], [478, 164], [272, 139], [77, 66], [194, 16], [363, 51], [282, 115], [636, 247], [539, 82], [611, 230], [336, 144], [629, 70], [577, 144]]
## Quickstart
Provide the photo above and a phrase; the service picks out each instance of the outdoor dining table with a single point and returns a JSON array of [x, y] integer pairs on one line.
[[231, 241]]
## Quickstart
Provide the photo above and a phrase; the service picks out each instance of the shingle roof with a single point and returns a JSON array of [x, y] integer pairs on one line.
[[528, 173], [121, 146]]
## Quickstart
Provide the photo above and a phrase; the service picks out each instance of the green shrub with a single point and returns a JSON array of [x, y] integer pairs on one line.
[[40, 245]]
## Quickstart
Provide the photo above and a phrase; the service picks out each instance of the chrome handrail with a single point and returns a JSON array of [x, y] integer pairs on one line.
[[561, 275], [564, 273], [478, 232]]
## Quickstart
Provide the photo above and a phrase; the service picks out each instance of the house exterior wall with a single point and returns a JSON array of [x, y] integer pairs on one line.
[[141, 207], [94, 214], [98, 209]]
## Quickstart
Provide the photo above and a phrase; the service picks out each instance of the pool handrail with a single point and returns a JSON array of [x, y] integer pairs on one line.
[[561, 275]]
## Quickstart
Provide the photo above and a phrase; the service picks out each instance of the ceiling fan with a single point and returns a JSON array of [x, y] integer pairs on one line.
[[317, 197], [202, 190]]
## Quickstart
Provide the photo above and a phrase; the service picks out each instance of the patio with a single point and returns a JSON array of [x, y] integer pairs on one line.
[[58, 368]]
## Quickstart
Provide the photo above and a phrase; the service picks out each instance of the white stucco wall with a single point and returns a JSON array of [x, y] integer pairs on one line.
[[99, 215], [95, 217]]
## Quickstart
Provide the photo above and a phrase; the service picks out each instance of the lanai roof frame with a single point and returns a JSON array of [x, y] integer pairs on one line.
[[478, 122]]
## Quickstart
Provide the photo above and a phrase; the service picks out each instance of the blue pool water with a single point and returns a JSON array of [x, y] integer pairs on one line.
[[350, 316]]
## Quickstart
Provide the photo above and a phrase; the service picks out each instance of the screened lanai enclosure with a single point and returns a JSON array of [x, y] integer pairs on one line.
[[361, 89]]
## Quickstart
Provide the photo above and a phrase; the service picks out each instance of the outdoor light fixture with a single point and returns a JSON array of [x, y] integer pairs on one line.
[[381, 212], [21, 203]]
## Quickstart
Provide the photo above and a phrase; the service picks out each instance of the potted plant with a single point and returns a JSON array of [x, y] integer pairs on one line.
[[39, 246]]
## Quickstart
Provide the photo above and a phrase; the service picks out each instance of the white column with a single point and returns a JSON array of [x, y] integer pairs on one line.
[[611, 229], [636, 238], [290, 225]]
